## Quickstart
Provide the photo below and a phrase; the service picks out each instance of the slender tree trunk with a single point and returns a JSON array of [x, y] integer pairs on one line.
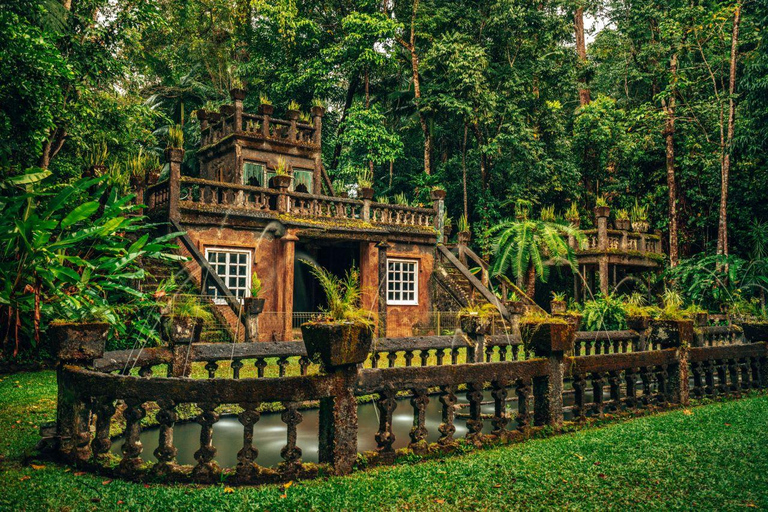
[[410, 45], [464, 171], [530, 285], [367, 106], [722, 232], [581, 51], [669, 136], [351, 90]]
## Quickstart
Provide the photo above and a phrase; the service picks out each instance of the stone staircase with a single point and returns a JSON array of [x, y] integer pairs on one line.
[[457, 279]]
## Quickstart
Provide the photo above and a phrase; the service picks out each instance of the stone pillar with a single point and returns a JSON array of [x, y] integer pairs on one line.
[[601, 219], [266, 112], [289, 255], [174, 156], [338, 422], [383, 270], [180, 365], [677, 387], [366, 213], [238, 95], [317, 139], [548, 390], [438, 203], [369, 276], [476, 349]]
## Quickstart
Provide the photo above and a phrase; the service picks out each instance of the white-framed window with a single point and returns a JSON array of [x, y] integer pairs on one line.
[[402, 282], [234, 268]]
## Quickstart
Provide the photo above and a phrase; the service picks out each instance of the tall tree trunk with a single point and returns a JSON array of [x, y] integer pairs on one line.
[[725, 169], [410, 46], [347, 105], [464, 171], [669, 136], [530, 285], [581, 51]]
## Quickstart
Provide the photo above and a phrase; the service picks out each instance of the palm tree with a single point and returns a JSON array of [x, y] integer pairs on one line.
[[525, 245]]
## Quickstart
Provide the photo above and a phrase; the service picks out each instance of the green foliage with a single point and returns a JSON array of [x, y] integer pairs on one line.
[[365, 179], [622, 214], [548, 214], [463, 224], [604, 313], [639, 212], [294, 105], [366, 138], [601, 202], [175, 138], [189, 306], [264, 100], [281, 167], [67, 253], [256, 286], [572, 214], [342, 296]]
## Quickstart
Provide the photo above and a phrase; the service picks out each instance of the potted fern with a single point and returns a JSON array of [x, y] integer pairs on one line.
[[572, 215], [464, 235], [601, 207], [437, 193], [81, 333], [282, 178], [293, 110], [475, 319], [265, 106], [640, 218], [672, 327], [318, 108], [544, 334], [174, 150], [365, 184], [342, 333], [558, 304], [622, 219], [253, 306], [183, 318]]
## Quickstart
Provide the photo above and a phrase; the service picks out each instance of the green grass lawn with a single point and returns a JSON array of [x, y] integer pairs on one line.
[[708, 457]]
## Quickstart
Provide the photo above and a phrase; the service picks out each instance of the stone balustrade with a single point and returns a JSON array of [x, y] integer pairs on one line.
[[99, 398], [258, 126], [620, 241]]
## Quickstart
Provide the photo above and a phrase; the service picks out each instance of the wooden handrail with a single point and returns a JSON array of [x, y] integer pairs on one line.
[[484, 291]]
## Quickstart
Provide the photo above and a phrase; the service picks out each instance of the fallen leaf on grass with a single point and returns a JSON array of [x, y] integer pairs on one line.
[[601, 475], [37, 467], [688, 412], [24, 478], [497, 486], [440, 501], [106, 482], [79, 473], [229, 490], [288, 484], [579, 456], [283, 495]]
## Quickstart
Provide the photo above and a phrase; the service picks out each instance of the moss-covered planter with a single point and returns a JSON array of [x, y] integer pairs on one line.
[[253, 306], [602, 211], [78, 341], [293, 115], [266, 109], [337, 344], [558, 306], [475, 324], [755, 331], [464, 237], [641, 226], [572, 318], [672, 333], [623, 225], [546, 337], [317, 111], [366, 193], [183, 330], [437, 194], [638, 323], [281, 181]]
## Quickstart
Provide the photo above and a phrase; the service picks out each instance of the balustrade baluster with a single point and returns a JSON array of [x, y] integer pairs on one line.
[[662, 380], [709, 379], [579, 386], [698, 388], [489, 349], [391, 358], [757, 372], [291, 453], [523, 391], [132, 448], [447, 427], [630, 381], [440, 356], [211, 367], [237, 365], [261, 365], [733, 370], [454, 355], [614, 390], [744, 369], [165, 451], [385, 437], [418, 433], [645, 377], [375, 359], [102, 442], [424, 357], [408, 355], [598, 381], [500, 417], [246, 457], [206, 469], [282, 365], [475, 420], [722, 384], [304, 363], [145, 371]]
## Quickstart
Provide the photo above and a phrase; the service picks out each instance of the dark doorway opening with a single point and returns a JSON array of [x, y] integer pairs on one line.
[[336, 257]]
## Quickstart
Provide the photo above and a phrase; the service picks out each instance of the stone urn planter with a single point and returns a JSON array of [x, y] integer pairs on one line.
[[447, 230], [237, 93], [516, 307], [252, 308], [641, 226], [602, 211], [548, 336], [475, 323], [366, 193], [558, 307], [638, 323], [437, 194], [337, 344], [317, 111], [755, 331], [227, 110], [78, 341], [344, 194], [293, 115], [153, 177], [281, 181], [266, 109], [623, 225], [573, 319], [174, 154], [464, 237], [671, 333], [253, 305], [183, 330]]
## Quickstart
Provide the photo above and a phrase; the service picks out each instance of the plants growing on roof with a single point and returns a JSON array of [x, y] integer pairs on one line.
[[256, 286], [622, 219], [382, 199], [365, 179], [304, 117]]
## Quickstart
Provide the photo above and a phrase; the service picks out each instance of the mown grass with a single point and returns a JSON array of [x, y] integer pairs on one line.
[[708, 457]]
